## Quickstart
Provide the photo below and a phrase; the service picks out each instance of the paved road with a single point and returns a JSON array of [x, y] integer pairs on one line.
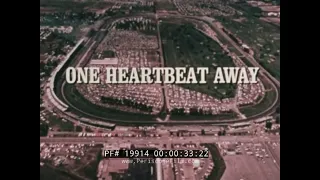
[[161, 140]]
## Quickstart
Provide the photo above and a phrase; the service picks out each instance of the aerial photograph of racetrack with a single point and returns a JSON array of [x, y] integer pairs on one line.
[[139, 121]]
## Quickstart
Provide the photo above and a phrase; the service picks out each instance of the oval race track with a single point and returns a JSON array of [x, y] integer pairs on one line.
[[81, 112]]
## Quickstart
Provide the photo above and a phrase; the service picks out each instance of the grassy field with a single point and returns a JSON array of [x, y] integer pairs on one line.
[[247, 9], [263, 37], [43, 129], [184, 46], [165, 5], [142, 8], [64, 4]]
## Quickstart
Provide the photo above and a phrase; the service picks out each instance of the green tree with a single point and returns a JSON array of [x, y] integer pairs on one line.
[[78, 129], [223, 133], [88, 129], [44, 129], [203, 132], [268, 125], [278, 119]]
